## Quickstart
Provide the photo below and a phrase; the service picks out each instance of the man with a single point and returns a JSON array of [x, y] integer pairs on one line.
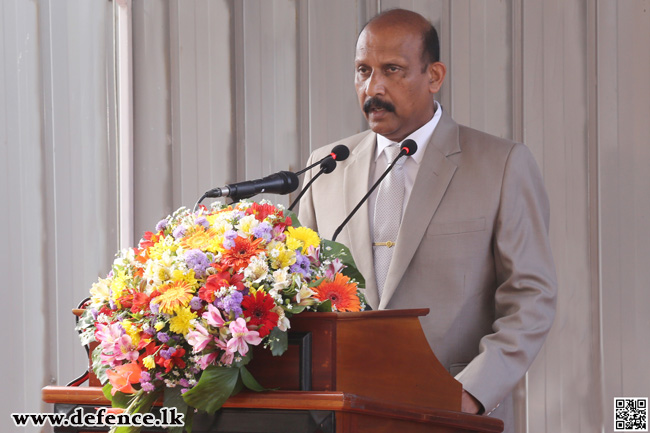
[[468, 212]]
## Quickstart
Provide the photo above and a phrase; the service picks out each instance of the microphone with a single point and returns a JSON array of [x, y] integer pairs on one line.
[[408, 147], [326, 166], [340, 152], [282, 182]]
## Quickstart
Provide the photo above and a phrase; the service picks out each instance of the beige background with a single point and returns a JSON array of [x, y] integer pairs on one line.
[[229, 90]]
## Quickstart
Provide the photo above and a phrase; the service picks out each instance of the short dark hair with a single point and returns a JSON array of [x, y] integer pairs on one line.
[[430, 41]]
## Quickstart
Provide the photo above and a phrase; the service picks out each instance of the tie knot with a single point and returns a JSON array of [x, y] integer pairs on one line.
[[391, 153]]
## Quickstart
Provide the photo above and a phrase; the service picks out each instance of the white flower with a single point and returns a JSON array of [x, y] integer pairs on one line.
[[257, 269], [281, 279]]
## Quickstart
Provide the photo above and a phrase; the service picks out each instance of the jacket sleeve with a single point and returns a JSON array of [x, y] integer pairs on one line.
[[526, 291]]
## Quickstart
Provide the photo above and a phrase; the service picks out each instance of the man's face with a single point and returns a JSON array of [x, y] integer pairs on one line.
[[395, 94]]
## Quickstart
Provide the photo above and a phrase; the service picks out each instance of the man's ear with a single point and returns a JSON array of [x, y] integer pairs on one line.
[[436, 72]]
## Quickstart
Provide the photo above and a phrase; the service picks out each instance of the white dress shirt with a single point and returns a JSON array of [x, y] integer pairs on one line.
[[422, 137]]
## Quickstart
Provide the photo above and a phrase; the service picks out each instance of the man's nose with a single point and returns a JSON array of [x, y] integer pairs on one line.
[[375, 85]]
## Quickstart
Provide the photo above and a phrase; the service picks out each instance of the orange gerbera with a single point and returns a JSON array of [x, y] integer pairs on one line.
[[173, 295], [341, 292], [239, 256]]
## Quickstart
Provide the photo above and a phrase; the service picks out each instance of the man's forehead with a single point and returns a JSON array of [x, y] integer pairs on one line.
[[388, 41]]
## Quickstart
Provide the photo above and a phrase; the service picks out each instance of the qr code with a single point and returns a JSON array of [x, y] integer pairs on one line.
[[630, 414]]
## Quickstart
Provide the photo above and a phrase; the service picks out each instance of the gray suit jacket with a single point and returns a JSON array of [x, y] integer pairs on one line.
[[473, 248]]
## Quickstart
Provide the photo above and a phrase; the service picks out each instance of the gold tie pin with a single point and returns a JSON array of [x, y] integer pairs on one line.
[[388, 244]]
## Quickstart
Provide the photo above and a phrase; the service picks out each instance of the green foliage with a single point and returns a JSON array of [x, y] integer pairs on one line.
[[333, 250], [278, 341], [213, 389]]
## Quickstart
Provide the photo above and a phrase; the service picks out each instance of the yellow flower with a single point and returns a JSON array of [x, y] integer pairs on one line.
[[149, 362], [188, 278], [180, 323], [132, 331], [202, 239], [281, 256], [159, 325], [306, 236], [173, 295]]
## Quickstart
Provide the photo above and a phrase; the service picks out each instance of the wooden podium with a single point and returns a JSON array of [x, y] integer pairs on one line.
[[343, 372]]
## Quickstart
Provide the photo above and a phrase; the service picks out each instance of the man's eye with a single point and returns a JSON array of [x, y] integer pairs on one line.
[[362, 70], [392, 68]]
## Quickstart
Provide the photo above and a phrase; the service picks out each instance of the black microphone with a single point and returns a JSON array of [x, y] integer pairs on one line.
[[340, 152], [327, 166], [282, 182], [409, 147]]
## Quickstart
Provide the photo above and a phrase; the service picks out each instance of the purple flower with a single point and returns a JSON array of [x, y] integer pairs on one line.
[[231, 303], [263, 230], [154, 307], [159, 376], [184, 390], [196, 303], [184, 383], [147, 386], [202, 221], [179, 231], [145, 377], [197, 260], [162, 337], [301, 266], [229, 239], [162, 224]]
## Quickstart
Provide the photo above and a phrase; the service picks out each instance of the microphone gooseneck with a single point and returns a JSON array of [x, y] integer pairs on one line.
[[340, 152], [327, 166], [408, 147]]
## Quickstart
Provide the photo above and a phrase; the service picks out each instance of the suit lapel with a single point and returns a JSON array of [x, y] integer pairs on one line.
[[432, 180], [358, 228]]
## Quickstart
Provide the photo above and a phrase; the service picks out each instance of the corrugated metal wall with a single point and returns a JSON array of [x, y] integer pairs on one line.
[[228, 90]]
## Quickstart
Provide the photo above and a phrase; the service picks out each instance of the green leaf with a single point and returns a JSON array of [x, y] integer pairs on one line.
[[174, 398], [250, 381], [294, 218], [189, 420], [213, 389], [330, 250], [325, 307], [295, 309], [106, 390], [278, 341], [98, 368], [121, 400]]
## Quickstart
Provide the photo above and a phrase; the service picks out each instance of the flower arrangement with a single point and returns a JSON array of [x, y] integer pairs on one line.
[[179, 314]]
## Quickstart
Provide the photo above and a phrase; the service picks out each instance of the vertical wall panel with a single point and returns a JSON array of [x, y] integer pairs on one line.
[[22, 324], [554, 119], [152, 149], [59, 187], [623, 131], [203, 151]]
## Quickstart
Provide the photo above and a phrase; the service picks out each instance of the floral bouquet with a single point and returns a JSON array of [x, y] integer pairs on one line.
[[177, 316]]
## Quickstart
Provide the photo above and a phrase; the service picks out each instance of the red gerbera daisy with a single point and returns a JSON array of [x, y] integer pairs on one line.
[[341, 292], [240, 254], [258, 307], [261, 211], [215, 282]]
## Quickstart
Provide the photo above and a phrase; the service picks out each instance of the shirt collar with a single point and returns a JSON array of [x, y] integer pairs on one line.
[[421, 136]]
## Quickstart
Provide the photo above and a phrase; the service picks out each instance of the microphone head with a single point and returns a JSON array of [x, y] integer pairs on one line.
[[328, 165], [340, 153], [291, 182], [410, 146]]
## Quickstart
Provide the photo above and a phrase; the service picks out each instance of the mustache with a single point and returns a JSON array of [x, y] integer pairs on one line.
[[378, 104]]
